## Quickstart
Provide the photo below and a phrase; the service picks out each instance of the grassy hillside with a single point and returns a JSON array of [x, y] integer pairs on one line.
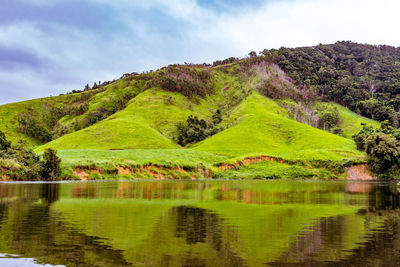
[[148, 122], [351, 122], [261, 127], [134, 121], [9, 119]]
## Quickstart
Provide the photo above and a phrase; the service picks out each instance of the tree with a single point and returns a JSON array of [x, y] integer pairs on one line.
[[328, 118], [217, 117], [51, 165], [4, 144], [195, 129], [361, 137], [253, 54], [383, 153]]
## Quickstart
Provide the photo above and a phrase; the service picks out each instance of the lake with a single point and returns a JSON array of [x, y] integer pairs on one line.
[[200, 223]]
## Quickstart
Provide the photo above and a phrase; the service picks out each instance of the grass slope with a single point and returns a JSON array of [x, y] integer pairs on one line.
[[145, 129], [9, 119], [167, 157], [262, 128], [351, 122], [148, 122]]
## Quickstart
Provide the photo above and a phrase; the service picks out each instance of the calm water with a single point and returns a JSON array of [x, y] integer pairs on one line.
[[272, 223]]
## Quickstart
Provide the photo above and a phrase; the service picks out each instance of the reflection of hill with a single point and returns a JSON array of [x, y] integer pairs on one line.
[[254, 233], [183, 224], [35, 231]]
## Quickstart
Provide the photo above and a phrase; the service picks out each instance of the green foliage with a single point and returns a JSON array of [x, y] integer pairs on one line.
[[195, 130], [383, 153], [28, 165], [382, 147], [271, 170], [364, 78], [328, 118], [30, 124], [189, 81], [259, 126], [4, 143], [50, 167]]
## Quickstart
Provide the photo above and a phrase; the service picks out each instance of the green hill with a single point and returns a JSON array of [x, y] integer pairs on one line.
[[263, 128], [121, 122]]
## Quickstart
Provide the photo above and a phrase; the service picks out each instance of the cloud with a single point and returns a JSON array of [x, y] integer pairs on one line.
[[52, 46], [304, 23]]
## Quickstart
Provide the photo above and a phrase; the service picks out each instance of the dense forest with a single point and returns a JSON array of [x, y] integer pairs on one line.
[[364, 78]]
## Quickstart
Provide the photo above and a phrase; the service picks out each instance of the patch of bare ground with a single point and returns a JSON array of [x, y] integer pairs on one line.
[[248, 161], [4, 177], [150, 170], [83, 174], [360, 172], [124, 171]]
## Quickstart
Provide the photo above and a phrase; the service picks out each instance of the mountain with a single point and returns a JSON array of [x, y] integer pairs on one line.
[[264, 116]]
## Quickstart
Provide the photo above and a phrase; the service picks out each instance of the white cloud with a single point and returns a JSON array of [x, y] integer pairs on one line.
[[300, 23], [83, 55]]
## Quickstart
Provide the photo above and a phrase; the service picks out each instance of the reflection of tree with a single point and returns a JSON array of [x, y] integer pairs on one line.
[[382, 249], [371, 238], [49, 193], [198, 225], [383, 198], [190, 236], [33, 230]]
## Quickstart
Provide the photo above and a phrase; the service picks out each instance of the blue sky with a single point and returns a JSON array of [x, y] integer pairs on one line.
[[49, 47]]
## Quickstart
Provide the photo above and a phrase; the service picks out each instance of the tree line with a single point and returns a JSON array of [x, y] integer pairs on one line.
[[18, 163], [364, 78]]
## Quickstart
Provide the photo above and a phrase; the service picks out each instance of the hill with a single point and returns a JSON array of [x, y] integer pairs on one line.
[[364, 78], [243, 109]]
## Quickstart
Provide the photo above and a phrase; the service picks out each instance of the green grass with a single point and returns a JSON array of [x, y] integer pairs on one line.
[[9, 119], [351, 122], [272, 170], [148, 122], [167, 157], [262, 128], [144, 131], [113, 133]]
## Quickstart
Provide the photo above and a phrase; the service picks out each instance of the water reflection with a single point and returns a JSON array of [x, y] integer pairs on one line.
[[202, 223]]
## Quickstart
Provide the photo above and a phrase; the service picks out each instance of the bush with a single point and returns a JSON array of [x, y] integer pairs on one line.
[[4, 144], [27, 164], [188, 81], [361, 137], [195, 130], [383, 153], [30, 125], [329, 118], [382, 147], [50, 167]]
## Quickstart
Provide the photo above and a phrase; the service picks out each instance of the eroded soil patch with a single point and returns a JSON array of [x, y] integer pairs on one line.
[[360, 172]]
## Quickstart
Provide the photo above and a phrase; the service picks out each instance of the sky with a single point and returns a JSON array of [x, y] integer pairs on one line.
[[48, 47]]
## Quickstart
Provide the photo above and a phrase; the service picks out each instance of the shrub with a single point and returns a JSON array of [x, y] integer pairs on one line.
[[188, 81], [382, 147], [27, 164], [194, 129], [4, 144], [29, 124], [383, 153], [328, 118], [50, 167]]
